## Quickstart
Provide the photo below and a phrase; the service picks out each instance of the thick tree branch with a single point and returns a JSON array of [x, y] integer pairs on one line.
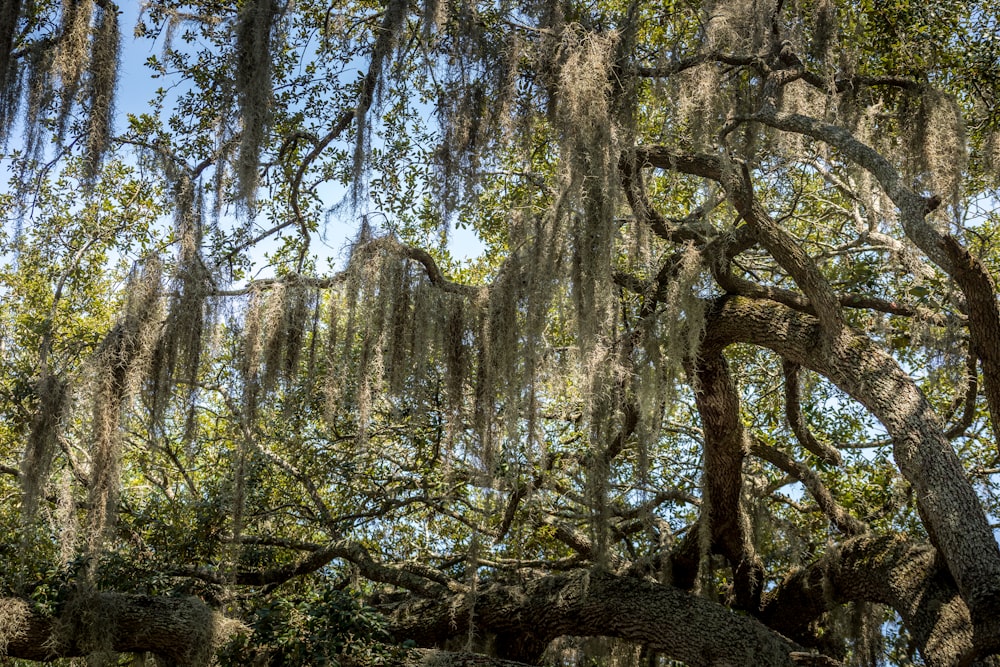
[[181, 629], [695, 164], [951, 510], [678, 625], [968, 271], [907, 576], [783, 247], [708, 166], [726, 445], [424, 657]]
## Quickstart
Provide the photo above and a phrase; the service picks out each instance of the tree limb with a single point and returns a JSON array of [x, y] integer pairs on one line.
[[593, 603], [950, 507], [968, 271], [838, 515], [182, 629], [908, 576], [726, 445], [793, 413]]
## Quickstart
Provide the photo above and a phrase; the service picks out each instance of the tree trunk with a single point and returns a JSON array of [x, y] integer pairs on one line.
[[726, 445]]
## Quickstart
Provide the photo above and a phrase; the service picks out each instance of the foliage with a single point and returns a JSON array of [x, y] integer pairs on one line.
[[320, 627], [719, 248]]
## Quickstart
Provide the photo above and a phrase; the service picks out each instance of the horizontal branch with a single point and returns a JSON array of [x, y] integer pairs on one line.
[[422, 580], [183, 630], [676, 67], [427, 657], [387, 244], [680, 626]]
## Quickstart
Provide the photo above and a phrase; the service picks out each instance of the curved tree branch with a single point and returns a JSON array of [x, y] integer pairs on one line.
[[838, 515], [796, 420], [726, 445], [907, 576], [968, 271], [951, 510], [785, 250]]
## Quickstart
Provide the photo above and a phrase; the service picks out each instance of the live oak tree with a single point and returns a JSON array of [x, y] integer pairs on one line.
[[721, 385]]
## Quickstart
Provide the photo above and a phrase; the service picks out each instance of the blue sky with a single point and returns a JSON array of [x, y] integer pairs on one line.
[[136, 87]]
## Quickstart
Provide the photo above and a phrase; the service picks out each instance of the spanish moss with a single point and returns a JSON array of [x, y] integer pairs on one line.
[[254, 35], [103, 80], [10, 68]]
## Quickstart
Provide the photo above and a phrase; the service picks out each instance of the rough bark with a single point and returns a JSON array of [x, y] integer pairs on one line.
[[183, 630], [984, 320], [908, 576], [946, 251], [952, 512], [678, 625], [726, 445], [783, 247], [424, 657], [953, 515]]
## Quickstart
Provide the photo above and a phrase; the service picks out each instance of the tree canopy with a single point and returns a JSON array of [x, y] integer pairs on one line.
[[716, 380]]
